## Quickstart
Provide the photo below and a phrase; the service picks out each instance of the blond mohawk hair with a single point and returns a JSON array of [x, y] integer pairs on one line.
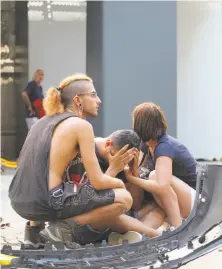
[[52, 103]]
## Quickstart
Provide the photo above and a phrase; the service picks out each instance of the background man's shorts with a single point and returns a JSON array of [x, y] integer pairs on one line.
[[31, 121]]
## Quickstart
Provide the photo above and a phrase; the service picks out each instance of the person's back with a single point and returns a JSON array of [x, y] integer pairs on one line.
[[184, 164], [29, 188]]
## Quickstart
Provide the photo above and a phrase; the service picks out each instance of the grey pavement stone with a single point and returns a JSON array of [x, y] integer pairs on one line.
[[14, 234]]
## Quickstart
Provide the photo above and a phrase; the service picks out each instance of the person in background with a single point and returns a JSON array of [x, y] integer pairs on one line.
[[33, 97]]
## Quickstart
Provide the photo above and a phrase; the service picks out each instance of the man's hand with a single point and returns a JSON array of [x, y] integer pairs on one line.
[[120, 159], [32, 112], [28, 102]]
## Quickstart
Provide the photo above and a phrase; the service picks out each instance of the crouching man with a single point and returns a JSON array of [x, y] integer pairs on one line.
[[113, 155], [37, 191]]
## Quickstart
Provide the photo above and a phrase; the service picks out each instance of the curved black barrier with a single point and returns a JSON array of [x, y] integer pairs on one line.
[[207, 213]]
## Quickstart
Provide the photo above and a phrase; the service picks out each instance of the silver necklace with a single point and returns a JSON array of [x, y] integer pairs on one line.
[[70, 110]]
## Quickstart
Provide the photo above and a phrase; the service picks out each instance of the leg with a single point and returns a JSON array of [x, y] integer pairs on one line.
[[32, 238], [70, 231], [124, 223], [168, 201], [122, 204], [183, 193], [65, 230], [146, 209], [152, 215], [35, 223]]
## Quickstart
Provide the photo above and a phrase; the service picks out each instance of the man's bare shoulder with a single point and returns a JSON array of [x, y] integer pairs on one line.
[[97, 139], [77, 124]]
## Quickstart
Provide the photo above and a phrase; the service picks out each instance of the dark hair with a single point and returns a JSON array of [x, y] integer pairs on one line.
[[123, 137], [149, 121]]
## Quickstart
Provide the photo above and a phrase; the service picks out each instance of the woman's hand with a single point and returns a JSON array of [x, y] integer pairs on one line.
[[128, 172], [135, 163]]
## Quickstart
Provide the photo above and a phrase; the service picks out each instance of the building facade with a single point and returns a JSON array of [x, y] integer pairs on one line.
[[160, 51]]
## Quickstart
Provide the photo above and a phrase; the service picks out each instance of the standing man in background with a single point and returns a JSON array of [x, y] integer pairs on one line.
[[33, 97]]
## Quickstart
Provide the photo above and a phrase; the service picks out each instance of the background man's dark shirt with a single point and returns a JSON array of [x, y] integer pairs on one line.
[[34, 91], [35, 94]]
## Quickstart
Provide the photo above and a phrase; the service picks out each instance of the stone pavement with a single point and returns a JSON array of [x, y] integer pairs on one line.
[[13, 235]]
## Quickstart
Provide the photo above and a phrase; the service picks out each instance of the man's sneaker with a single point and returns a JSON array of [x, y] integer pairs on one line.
[[118, 239], [57, 232], [33, 239]]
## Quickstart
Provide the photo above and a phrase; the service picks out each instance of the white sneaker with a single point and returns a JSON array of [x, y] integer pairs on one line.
[[117, 239], [113, 239], [131, 237]]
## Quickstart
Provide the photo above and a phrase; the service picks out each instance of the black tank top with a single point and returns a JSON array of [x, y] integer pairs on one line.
[[29, 187]]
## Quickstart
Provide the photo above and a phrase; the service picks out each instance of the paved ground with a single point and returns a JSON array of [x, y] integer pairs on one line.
[[212, 260], [14, 234]]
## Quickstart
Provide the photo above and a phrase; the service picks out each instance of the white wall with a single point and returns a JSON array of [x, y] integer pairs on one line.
[[199, 87], [58, 48]]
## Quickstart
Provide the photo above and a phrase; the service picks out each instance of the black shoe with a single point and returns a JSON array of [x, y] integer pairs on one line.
[[59, 232], [33, 239]]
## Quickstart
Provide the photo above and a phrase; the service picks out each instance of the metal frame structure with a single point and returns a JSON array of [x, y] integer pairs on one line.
[[205, 215]]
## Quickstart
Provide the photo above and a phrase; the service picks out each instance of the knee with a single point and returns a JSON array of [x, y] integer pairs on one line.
[[152, 175], [124, 198], [161, 188], [159, 211]]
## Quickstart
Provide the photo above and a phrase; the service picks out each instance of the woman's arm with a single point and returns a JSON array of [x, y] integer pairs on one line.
[[146, 185], [169, 200], [163, 171], [163, 174]]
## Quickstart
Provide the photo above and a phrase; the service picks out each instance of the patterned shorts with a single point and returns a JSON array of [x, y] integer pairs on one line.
[[85, 200]]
